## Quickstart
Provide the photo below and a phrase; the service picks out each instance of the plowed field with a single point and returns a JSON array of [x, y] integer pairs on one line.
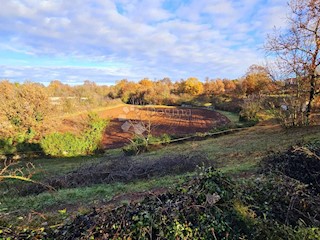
[[126, 121]]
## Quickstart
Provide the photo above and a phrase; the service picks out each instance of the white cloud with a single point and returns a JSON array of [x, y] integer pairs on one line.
[[199, 38], [77, 74]]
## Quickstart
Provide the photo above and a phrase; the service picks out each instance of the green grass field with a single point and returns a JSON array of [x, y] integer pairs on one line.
[[237, 154]]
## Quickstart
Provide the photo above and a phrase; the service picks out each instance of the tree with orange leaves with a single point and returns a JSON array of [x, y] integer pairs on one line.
[[297, 50]]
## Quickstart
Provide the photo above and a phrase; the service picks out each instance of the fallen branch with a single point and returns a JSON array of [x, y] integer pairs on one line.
[[20, 173]]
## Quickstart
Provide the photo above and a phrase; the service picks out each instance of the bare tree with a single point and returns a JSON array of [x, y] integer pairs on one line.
[[297, 47]]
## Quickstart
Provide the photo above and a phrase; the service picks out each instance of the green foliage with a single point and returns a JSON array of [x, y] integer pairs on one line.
[[209, 206], [260, 205], [94, 132], [288, 210], [299, 162], [6, 146], [250, 109], [70, 145], [22, 142], [199, 209], [63, 144], [142, 143], [270, 230]]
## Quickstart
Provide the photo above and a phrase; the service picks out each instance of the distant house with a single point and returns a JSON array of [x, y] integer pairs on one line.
[[290, 82], [57, 100]]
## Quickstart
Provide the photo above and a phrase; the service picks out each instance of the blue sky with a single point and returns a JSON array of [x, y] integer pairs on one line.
[[109, 40]]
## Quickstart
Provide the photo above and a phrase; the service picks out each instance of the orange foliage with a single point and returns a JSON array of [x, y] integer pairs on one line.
[[191, 86], [214, 87]]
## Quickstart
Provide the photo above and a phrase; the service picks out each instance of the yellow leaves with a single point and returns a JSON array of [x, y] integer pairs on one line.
[[25, 106], [192, 86], [146, 83], [244, 211], [63, 211]]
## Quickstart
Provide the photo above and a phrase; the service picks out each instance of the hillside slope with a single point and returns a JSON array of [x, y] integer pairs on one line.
[[236, 155]]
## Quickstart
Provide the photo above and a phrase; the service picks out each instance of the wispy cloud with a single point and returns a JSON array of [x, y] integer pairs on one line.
[[106, 40]]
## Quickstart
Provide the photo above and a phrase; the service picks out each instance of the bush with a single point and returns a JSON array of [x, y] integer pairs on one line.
[[207, 206], [94, 132], [20, 143], [292, 203], [6, 146], [142, 143], [63, 144], [250, 109], [291, 112], [282, 199], [70, 145], [270, 230], [227, 104], [199, 209]]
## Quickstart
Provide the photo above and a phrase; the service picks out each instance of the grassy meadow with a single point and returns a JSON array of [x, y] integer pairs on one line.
[[237, 155]]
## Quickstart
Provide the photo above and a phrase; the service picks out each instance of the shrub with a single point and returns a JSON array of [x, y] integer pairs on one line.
[[207, 206], [6, 146], [94, 132], [63, 144], [20, 143], [126, 169], [142, 143], [291, 112], [199, 209], [250, 109], [227, 104], [70, 145]]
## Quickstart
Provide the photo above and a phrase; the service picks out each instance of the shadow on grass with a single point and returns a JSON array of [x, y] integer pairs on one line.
[[125, 169]]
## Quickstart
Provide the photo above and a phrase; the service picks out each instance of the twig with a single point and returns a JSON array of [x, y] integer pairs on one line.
[[307, 151]]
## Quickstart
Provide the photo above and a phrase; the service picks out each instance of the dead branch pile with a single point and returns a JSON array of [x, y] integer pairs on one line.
[[299, 162], [120, 170]]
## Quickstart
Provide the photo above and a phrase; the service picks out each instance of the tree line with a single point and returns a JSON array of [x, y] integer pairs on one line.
[[27, 108], [293, 77]]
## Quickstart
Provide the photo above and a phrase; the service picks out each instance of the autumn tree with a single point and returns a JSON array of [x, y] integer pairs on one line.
[[296, 49], [25, 107], [191, 86], [58, 89], [159, 93], [145, 92], [124, 89], [257, 80], [146, 83], [90, 94], [229, 86], [214, 87]]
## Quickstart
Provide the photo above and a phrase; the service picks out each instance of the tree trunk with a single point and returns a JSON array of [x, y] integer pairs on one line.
[[311, 97]]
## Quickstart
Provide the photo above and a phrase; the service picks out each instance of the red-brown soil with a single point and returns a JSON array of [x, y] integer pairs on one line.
[[126, 121]]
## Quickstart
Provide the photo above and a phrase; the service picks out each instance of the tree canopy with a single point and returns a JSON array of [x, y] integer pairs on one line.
[[296, 49]]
